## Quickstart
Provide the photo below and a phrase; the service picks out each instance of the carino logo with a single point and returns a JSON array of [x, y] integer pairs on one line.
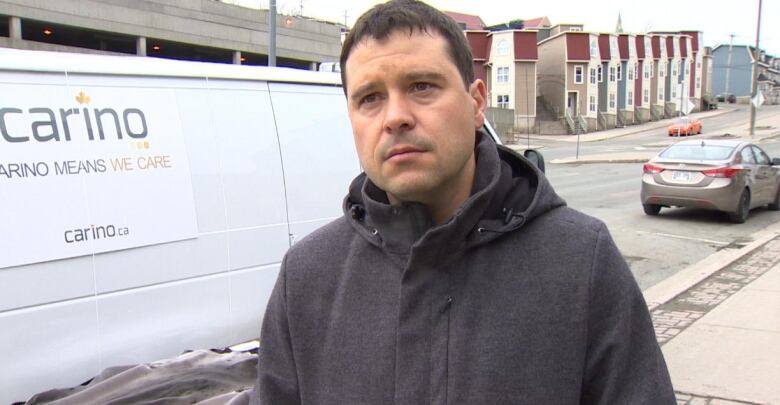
[[95, 232], [46, 124]]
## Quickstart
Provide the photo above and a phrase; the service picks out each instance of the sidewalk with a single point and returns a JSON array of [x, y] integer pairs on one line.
[[718, 324], [766, 127]]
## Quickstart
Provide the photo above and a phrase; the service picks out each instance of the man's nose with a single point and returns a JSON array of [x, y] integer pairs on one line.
[[399, 116]]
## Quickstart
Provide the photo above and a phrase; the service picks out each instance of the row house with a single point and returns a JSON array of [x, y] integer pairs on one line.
[[678, 72], [658, 76], [608, 86], [506, 62], [697, 83], [629, 67], [568, 77], [643, 88], [769, 78], [511, 74]]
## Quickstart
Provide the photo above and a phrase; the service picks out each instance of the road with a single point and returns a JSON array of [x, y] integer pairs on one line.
[[655, 247]]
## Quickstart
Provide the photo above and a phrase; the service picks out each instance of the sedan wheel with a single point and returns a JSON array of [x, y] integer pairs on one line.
[[743, 208], [775, 206], [651, 209]]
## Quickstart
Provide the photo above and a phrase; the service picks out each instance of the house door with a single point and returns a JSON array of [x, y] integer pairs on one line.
[[571, 104]]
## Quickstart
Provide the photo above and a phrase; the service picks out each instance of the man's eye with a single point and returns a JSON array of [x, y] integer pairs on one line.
[[422, 86], [369, 99]]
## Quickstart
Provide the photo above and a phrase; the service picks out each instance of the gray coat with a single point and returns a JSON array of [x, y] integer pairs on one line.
[[516, 300]]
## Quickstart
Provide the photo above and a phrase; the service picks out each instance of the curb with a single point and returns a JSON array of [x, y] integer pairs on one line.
[[635, 129], [589, 161], [683, 280]]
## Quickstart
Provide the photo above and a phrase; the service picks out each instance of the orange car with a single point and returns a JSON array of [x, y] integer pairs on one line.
[[684, 126]]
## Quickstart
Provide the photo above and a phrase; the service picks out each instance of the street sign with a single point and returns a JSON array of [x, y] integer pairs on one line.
[[758, 100], [689, 106]]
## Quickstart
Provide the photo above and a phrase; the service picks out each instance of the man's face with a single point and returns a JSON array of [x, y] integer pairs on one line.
[[412, 117]]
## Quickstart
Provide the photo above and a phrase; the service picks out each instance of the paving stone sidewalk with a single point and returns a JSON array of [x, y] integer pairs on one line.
[[673, 317]]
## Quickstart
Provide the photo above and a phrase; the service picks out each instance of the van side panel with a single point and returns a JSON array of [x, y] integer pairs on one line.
[[318, 152]]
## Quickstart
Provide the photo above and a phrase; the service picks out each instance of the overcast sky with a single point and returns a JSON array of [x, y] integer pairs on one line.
[[716, 18]]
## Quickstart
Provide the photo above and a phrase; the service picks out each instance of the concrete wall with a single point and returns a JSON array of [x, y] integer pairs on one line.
[[503, 121], [197, 22]]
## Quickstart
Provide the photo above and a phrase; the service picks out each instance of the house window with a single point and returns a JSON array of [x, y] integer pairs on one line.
[[600, 73], [592, 76], [645, 96], [698, 82], [646, 72], [611, 101], [674, 92], [650, 69], [611, 73], [578, 74], [661, 69], [674, 69], [503, 47], [503, 75], [503, 101], [592, 104], [575, 29], [661, 94], [620, 72], [636, 70], [630, 73], [630, 98]]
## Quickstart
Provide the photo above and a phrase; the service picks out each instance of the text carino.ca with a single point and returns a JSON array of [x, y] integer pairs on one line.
[[95, 232]]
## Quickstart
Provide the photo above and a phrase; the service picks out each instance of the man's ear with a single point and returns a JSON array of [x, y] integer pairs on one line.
[[478, 94]]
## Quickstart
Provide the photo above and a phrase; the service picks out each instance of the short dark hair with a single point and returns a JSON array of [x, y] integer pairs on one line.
[[412, 15]]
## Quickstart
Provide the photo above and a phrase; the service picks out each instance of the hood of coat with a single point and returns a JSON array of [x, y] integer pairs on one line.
[[508, 192]]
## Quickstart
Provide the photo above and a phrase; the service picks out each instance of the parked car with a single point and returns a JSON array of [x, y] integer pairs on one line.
[[725, 175], [684, 126]]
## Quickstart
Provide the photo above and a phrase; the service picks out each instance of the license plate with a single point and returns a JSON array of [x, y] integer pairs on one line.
[[681, 176]]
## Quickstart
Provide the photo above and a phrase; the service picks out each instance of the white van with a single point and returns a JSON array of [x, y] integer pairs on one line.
[[145, 204]]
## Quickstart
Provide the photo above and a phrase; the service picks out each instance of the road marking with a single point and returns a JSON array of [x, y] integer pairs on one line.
[[668, 235]]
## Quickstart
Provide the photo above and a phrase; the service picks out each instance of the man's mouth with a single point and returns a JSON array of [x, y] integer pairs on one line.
[[402, 150]]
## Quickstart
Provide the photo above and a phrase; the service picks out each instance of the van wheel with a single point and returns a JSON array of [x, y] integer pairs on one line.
[[775, 206], [651, 209], [743, 208]]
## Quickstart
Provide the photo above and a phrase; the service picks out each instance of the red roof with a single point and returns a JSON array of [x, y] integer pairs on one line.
[[640, 46], [478, 41], [604, 46], [525, 45], [683, 47], [694, 39], [577, 46], [471, 22], [656, 42], [670, 47], [623, 46]]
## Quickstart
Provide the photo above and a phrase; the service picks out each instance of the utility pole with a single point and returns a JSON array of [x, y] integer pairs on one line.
[[272, 34], [754, 92], [728, 65]]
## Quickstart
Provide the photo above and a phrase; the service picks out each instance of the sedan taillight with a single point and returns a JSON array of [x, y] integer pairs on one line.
[[721, 172], [652, 169]]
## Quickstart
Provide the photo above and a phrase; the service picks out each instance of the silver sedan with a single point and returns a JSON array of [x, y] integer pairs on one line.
[[725, 175]]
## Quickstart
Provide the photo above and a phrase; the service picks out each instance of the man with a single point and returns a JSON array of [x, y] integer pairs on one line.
[[456, 275]]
